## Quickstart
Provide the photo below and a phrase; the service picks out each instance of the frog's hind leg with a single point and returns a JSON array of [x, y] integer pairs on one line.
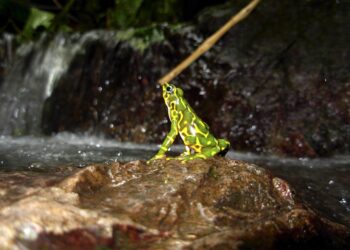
[[224, 147], [186, 152], [192, 157], [221, 149], [205, 154]]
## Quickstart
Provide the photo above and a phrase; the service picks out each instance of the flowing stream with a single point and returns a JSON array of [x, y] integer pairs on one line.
[[322, 183]]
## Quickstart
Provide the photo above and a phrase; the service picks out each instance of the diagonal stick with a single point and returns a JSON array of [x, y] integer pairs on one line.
[[209, 42]]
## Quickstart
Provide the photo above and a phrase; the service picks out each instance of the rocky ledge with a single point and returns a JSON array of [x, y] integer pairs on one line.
[[212, 204]]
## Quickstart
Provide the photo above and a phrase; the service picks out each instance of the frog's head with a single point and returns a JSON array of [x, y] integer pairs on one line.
[[171, 93]]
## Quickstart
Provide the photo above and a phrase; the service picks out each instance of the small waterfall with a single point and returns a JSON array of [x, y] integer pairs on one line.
[[6, 49], [36, 67]]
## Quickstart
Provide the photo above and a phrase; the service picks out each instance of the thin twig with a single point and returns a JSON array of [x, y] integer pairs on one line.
[[209, 42]]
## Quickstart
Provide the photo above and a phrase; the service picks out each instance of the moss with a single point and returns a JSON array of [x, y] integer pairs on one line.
[[138, 13], [141, 38]]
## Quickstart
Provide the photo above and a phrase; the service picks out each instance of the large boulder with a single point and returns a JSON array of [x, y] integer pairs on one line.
[[203, 204]]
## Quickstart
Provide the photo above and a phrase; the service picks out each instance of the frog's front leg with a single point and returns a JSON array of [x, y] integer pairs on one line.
[[168, 141]]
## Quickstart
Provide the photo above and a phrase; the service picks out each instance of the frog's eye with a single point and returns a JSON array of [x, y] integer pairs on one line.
[[169, 89]]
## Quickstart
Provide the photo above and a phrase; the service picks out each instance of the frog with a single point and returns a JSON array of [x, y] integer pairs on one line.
[[199, 141]]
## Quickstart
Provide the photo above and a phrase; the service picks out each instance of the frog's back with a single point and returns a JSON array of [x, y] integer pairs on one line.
[[190, 118]]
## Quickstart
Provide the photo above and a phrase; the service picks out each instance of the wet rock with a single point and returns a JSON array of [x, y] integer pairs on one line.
[[212, 204]]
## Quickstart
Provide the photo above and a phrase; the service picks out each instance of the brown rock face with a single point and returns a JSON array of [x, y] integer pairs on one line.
[[212, 204]]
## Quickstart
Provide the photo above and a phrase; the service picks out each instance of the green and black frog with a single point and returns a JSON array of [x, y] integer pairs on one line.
[[199, 142]]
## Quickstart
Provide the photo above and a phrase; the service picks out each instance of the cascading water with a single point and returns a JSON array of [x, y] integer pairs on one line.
[[30, 81], [36, 68], [6, 52]]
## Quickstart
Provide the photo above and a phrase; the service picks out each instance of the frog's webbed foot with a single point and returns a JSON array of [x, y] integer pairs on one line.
[[186, 152], [205, 154], [190, 157], [156, 157], [163, 157]]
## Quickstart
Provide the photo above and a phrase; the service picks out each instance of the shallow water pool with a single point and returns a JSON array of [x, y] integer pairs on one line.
[[324, 183]]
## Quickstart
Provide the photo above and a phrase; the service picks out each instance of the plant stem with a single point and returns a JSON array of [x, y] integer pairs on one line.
[[209, 42]]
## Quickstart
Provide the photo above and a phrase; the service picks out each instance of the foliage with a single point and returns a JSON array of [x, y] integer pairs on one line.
[[144, 12], [141, 38], [27, 21], [124, 13], [159, 11], [29, 18], [37, 21]]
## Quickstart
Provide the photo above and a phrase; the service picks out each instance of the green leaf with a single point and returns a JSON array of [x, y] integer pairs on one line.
[[141, 38], [37, 19]]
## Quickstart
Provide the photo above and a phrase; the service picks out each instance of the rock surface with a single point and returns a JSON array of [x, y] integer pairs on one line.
[[212, 204]]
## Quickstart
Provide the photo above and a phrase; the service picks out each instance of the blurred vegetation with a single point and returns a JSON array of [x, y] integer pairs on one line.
[[29, 19], [141, 38]]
